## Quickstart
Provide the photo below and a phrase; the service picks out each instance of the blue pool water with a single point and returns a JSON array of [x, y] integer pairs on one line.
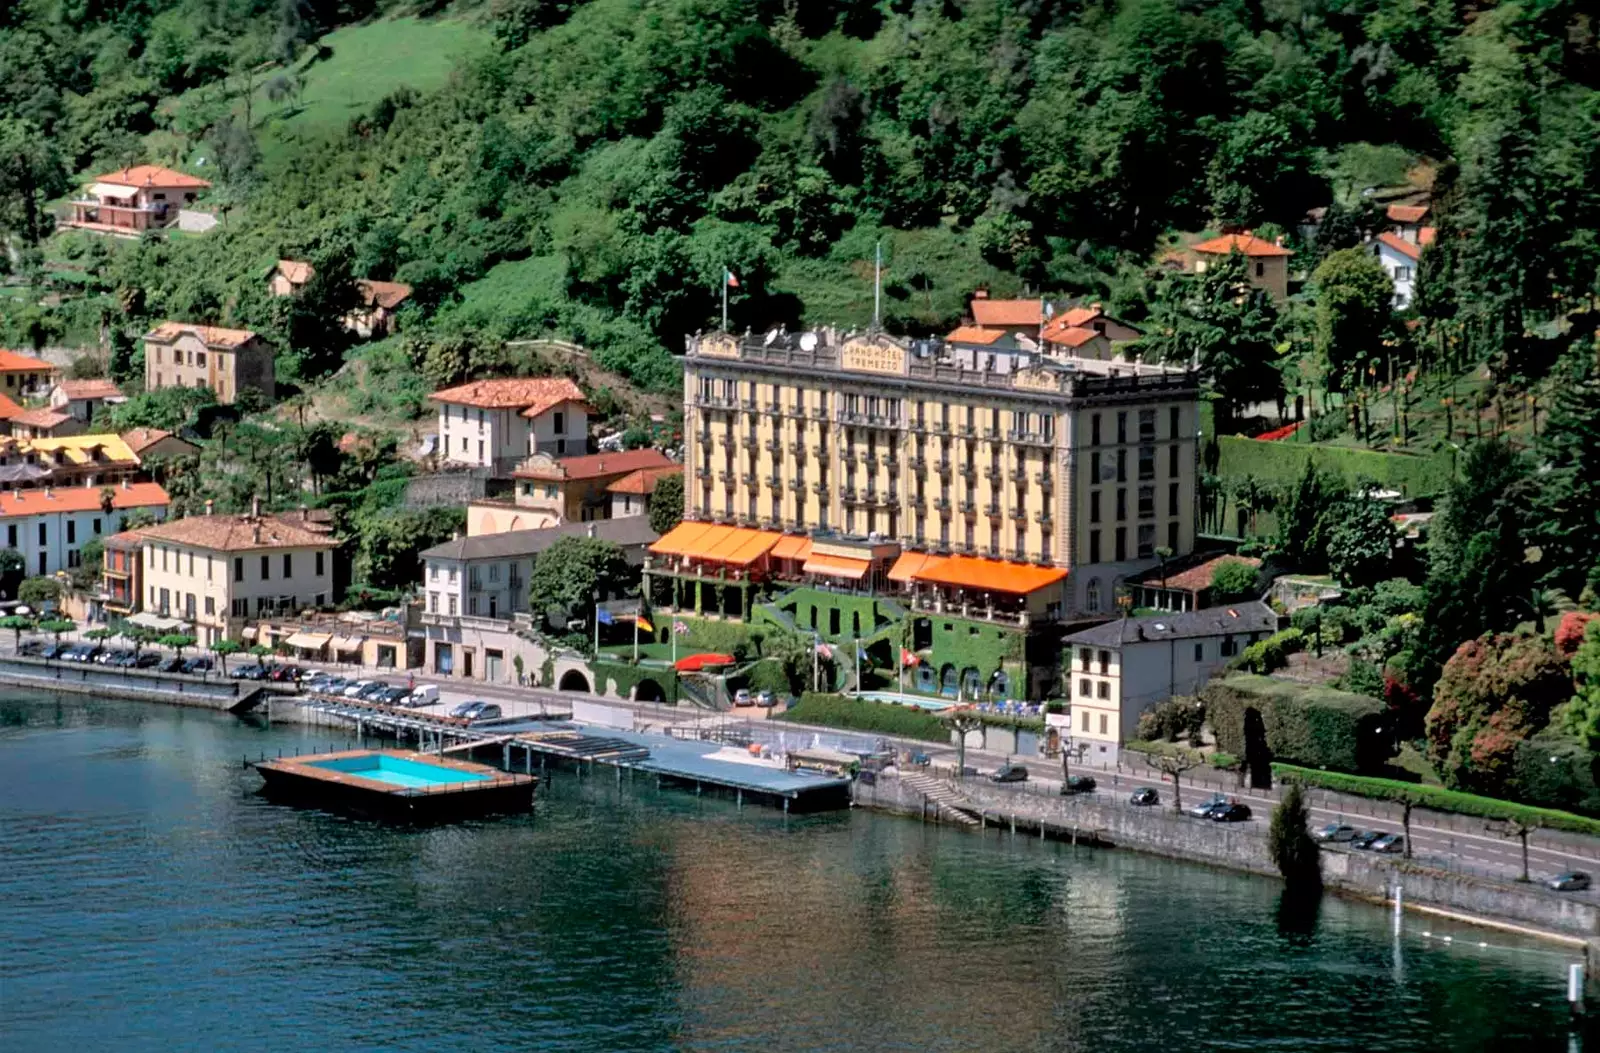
[[397, 771], [920, 701]]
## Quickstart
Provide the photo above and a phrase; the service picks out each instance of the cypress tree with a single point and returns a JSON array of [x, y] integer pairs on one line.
[[1293, 849]]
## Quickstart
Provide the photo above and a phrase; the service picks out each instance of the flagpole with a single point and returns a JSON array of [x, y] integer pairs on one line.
[[877, 286], [597, 625], [636, 639], [725, 273]]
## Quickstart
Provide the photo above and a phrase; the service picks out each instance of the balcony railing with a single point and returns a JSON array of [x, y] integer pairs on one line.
[[797, 485], [992, 510], [1019, 475]]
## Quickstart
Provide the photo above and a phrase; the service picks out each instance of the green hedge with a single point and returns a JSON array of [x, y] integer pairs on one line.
[[1437, 798], [1315, 726], [1282, 463], [1265, 656], [838, 711], [627, 675], [1555, 770]]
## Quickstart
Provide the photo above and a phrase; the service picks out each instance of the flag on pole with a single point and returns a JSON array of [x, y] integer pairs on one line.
[[908, 659], [731, 278], [680, 628], [644, 623], [824, 650], [603, 616]]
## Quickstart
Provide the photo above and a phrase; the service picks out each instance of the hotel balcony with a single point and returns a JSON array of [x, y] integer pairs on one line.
[[969, 507], [918, 463], [943, 467], [1044, 519], [992, 473], [797, 485], [1044, 479], [773, 445], [747, 478], [1019, 474], [942, 504], [820, 489], [992, 510], [797, 447], [775, 482], [1030, 438], [937, 602], [702, 473]]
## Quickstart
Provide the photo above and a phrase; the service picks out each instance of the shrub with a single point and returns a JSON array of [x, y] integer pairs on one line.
[[1290, 844], [1438, 798], [1265, 656], [767, 675], [1234, 579], [838, 711], [1171, 720], [1307, 724]]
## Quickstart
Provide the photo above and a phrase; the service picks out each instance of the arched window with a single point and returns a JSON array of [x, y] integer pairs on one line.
[[1092, 596]]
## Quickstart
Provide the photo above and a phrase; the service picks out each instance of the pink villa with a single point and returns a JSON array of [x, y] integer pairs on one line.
[[134, 200]]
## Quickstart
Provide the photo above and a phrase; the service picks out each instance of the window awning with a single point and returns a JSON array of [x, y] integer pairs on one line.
[[910, 563], [792, 546], [348, 643], [111, 190], [837, 566], [309, 641], [247, 633], [157, 622], [990, 575]]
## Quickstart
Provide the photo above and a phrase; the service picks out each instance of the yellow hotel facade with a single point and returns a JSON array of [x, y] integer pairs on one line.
[[1082, 464]]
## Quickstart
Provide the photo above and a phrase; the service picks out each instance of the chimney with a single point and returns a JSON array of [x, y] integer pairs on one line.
[[50, 493], [305, 514], [980, 294], [591, 528], [255, 513], [255, 533], [209, 504], [127, 484]]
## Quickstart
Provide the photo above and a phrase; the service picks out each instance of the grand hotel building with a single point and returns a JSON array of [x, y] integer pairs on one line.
[[996, 459]]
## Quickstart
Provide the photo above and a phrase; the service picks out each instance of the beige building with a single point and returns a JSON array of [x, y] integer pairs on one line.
[[632, 494], [1267, 261], [217, 572], [24, 374], [495, 424], [133, 200], [228, 361], [1082, 464], [81, 398], [1129, 665]]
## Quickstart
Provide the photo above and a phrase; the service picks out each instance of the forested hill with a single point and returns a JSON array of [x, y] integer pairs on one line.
[[627, 151]]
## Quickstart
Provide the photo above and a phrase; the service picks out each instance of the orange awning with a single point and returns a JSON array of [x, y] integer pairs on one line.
[[837, 566], [990, 575], [910, 563], [792, 546], [735, 546]]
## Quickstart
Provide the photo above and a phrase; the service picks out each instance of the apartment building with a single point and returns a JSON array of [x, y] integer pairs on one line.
[[24, 374], [495, 424], [1128, 665], [218, 571], [1078, 464], [228, 361], [50, 525]]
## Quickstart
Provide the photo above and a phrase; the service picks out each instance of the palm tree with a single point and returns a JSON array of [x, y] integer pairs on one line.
[[57, 626], [176, 641], [16, 623]]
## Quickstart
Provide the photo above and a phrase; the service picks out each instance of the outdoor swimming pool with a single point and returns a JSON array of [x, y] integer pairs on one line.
[[920, 701], [397, 771]]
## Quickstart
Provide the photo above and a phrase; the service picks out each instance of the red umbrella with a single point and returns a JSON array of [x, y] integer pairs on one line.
[[696, 662]]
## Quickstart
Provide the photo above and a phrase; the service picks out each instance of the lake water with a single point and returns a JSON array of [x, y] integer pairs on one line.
[[149, 900]]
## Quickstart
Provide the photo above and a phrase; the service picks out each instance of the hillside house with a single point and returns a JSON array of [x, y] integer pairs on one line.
[[378, 303], [495, 424], [288, 277], [45, 423], [133, 200], [1409, 221], [1267, 261], [24, 375], [631, 495], [49, 526], [228, 361], [80, 398]]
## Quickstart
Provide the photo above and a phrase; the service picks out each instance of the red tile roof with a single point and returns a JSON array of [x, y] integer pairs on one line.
[[382, 294], [1068, 335], [151, 175], [41, 418], [90, 389], [1246, 243], [644, 480], [8, 408], [1199, 576], [298, 272], [971, 334], [79, 499], [1401, 245], [598, 465], [210, 335], [519, 393], [141, 439], [1407, 213], [239, 533], [1004, 313], [17, 362], [1425, 235], [1079, 316]]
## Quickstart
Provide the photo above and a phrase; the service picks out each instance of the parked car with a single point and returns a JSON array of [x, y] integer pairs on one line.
[[1230, 813], [1334, 832], [1571, 881], [393, 696], [1078, 784], [1204, 809], [1011, 773], [54, 650], [1390, 843], [741, 697], [486, 711], [32, 648], [147, 660], [84, 652], [356, 687], [462, 708], [766, 699], [197, 665], [1364, 838], [1145, 797], [284, 674], [171, 664], [371, 692], [105, 657]]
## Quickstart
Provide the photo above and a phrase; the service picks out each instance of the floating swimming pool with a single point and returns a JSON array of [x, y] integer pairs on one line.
[[398, 771], [920, 701], [396, 785]]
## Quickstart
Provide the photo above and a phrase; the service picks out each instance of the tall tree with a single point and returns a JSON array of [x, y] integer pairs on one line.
[[666, 503], [31, 173], [1353, 315], [1566, 512], [1306, 519]]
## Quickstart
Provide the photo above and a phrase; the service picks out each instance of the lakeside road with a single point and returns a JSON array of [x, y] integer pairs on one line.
[[1474, 851]]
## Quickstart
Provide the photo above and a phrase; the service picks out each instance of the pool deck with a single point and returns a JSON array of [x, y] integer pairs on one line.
[[307, 780]]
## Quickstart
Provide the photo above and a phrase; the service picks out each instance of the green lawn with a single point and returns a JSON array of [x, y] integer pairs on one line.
[[367, 63]]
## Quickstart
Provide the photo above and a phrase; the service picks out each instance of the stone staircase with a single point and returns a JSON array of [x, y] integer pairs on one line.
[[951, 805]]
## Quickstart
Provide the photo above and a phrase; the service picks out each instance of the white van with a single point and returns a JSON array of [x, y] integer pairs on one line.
[[426, 695]]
